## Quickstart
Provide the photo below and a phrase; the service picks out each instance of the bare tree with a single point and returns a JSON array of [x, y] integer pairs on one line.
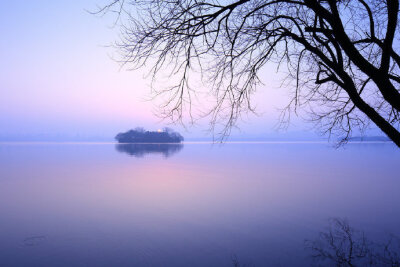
[[341, 56]]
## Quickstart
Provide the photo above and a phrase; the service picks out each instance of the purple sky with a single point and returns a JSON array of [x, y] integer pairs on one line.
[[57, 77]]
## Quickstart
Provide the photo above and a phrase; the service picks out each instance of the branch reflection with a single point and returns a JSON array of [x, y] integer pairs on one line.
[[342, 245]]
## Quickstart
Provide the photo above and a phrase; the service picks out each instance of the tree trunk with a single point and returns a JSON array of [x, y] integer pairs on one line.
[[379, 121]]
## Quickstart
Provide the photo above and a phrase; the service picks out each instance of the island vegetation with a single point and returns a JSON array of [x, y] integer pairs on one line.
[[140, 135]]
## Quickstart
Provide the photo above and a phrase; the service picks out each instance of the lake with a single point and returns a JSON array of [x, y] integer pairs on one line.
[[196, 204]]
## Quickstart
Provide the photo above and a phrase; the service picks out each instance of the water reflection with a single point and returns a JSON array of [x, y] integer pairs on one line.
[[342, 245], [140, 150], [222, 206]]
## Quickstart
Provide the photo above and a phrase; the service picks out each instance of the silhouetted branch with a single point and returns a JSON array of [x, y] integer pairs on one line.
[[341, 55]]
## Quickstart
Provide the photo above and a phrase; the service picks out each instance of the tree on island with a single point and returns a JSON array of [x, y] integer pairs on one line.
[[341, 56], [140, 135]]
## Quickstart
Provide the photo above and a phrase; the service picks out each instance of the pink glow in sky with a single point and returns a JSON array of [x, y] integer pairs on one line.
[[57, 75]]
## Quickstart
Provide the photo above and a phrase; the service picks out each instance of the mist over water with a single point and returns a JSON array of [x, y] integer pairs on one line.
[[188, 205]]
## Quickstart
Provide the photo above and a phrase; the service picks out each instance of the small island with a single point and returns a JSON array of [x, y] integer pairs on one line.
[[140, 135]]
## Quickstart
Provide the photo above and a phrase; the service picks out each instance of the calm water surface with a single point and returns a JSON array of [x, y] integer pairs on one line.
[[188, 205]]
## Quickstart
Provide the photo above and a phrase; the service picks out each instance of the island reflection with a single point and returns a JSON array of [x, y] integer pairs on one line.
[[140, 150]]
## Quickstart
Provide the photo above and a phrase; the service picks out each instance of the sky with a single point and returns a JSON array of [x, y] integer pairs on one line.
[[58, 78]]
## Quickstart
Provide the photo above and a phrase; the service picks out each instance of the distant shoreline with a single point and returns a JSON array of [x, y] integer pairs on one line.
[[184, 142]]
